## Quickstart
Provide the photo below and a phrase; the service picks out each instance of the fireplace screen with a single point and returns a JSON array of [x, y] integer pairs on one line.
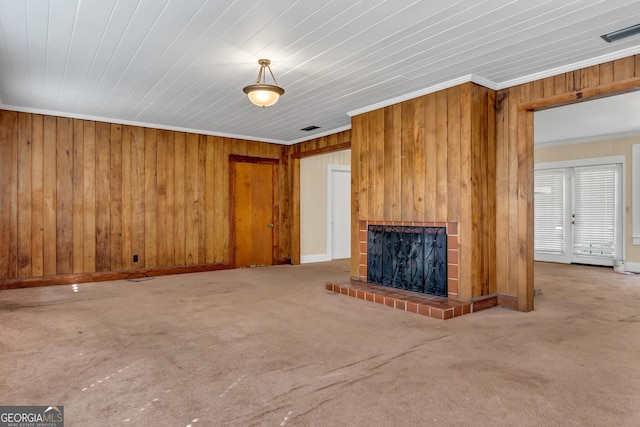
[[410, 258]]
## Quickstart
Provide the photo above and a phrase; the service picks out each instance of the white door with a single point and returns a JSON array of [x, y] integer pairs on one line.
[[578, 214], [596, 219], [339, 211]]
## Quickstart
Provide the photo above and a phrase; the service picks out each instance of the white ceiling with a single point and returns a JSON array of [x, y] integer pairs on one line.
[[182, 64], [611, 117]]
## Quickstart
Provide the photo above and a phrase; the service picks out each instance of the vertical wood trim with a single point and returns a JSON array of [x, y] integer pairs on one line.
[[127, 211], [492, 174], [419, 159], [441, 154], [502, 185], [78, 196], [179, 187], [295, 216], [8, 196], [116, 197], [525, 211], [458, 134], [209, 210], [103, 196], [138, 196], [161, 197], [150, 198], [37, 195], [191, 199], [170, 230], [467, 204], [24, 194], [388, 153], [396, 142], [226, 233], [285, 200], [202, 197], [89, 196], [355, 195], [430, 160], [49, 223], [407, 167], [64, 199]]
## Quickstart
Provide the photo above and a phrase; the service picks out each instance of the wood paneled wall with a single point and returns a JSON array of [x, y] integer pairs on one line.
[[432, 159], [514, 145], [80, 196]]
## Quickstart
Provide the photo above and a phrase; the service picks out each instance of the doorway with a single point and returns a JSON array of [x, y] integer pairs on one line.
[[254, 211], [339, 211], [578, 211]]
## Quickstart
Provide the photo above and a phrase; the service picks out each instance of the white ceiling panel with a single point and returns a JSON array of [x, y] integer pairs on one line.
[[182, 64]]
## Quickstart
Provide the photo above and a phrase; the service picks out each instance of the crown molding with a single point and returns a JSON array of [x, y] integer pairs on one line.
[[570, 67], [135, 123]]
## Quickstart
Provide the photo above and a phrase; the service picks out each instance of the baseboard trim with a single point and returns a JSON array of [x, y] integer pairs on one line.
[[633, 267], [305, 259], [69, 279]]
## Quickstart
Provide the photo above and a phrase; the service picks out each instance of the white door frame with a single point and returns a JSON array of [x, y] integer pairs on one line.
[[620, 203], [331, 168]]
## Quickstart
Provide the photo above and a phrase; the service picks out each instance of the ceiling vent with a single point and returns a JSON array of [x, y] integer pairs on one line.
[[621, 34], [310, 128]]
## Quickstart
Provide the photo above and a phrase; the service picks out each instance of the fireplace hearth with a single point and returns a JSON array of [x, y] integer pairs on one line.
[[412, 258]]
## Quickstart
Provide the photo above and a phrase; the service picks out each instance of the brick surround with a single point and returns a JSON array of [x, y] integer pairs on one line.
[[452, 249]]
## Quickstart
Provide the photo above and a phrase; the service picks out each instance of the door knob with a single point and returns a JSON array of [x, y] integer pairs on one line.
[[270, 225]]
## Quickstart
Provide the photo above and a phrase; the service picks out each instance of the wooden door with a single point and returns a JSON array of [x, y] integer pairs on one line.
[[254, 211]]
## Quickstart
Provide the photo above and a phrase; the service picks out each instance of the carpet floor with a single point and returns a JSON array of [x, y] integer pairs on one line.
[[272, 347]]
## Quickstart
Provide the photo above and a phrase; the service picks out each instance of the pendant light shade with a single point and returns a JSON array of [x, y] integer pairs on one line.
[[261, 93]]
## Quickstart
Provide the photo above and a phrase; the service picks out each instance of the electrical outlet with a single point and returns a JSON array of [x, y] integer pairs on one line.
[[135, 258]]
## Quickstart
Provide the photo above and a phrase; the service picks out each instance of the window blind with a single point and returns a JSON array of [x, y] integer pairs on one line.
[[549, 211], [595, 211]]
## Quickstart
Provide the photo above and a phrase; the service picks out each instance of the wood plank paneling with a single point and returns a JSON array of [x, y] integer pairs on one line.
[[458, 128], [441, 162], [138, 198], [407, 170], [115, 213], [514, 160], [89, 196], [9, 195], [430, 159], [37, 194], [24, 194], [103, 196], [161, 197], [436, 156], [127, 214], [50, 204], [64, 198], [78, 196], [202, 198], [179, 200], [191, 199], [210, 194], [419, 158], [170, 230], [150, 198], [85, 197]]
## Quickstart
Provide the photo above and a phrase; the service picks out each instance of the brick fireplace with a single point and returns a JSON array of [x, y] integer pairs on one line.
[[438, 307], [451, 255]]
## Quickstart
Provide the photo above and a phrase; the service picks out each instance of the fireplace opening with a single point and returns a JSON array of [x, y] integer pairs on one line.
[[408, 257]]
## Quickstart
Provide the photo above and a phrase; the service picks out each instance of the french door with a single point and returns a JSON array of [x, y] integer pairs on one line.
[[578, 214]]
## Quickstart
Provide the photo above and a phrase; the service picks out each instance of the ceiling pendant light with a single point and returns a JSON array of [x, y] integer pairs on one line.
[[262, 94]]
